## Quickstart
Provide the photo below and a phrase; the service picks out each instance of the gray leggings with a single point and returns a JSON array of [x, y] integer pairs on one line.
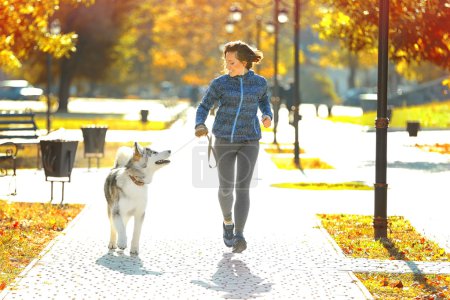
[[235, 165]]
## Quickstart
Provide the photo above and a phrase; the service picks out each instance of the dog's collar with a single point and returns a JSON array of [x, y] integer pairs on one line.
[[136, 180]]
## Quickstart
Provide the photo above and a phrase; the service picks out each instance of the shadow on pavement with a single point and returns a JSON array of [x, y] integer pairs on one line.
[[421, 165], [235, 278], [432, 167], [129, 265]]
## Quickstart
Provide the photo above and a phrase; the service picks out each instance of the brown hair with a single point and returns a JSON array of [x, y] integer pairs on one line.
[[243, 53]]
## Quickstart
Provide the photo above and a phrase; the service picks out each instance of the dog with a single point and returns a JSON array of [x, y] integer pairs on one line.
[[126, 191]]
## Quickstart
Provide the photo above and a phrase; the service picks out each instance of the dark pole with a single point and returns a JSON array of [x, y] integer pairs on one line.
[[49, 83], [258, 31], [296, 80], [381, 125], [258, 38], [275, 95]]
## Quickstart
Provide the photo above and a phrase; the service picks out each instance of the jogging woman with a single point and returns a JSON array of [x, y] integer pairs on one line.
[[239, 93]]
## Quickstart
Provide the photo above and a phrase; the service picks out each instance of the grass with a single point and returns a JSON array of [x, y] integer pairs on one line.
[[287, 163], [406, 286], [112, 123], [431, 115], [281, 149], [323, 186], [280, 156], [282, 161], [25, 230], [355, 236]]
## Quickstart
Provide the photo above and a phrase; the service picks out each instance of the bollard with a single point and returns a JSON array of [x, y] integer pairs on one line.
[[144, 116], [413, 127]]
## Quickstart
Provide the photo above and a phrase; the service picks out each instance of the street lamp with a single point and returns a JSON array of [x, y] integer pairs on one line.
[[296, 95], [381, 125], [54, 29], [229, 26], [279, 17], [235, 13], [283, 16]]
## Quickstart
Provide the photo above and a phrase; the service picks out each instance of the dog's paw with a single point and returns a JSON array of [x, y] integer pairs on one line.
[[112, 245], [122, 244], [134, 251]]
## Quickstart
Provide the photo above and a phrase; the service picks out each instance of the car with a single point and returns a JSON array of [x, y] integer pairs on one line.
[[355, 96], [19, 90]]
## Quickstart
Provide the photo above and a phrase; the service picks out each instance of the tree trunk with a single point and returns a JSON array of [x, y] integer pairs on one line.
[[67, 73], [353, 67]]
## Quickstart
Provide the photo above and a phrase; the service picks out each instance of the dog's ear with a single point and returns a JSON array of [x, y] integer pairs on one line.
[[137, 154]]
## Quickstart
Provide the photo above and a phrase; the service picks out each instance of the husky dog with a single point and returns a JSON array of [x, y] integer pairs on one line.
[[126, 188]]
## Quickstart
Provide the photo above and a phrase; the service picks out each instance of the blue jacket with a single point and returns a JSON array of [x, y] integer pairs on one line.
[[238, 100]]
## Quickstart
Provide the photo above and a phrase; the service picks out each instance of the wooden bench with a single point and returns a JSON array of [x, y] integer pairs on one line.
[[17, 125], [18, 128]]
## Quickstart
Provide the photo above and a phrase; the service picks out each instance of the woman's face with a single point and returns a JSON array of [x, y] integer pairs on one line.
[[233, 65]]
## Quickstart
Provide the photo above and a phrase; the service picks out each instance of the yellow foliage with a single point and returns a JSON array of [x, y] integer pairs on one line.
[[24, 28], [9, 57], [194, 79], [169, 59]]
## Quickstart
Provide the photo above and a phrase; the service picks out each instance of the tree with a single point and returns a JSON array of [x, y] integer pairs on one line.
[[98, 27], [24, 27], [419, 30], [172, 40]]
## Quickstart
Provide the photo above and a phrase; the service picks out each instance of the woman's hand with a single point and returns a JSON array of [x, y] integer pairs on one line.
[[267, 121], [201, 130]]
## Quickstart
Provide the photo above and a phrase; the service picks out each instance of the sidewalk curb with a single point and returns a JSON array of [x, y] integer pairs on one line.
[[341, 255]]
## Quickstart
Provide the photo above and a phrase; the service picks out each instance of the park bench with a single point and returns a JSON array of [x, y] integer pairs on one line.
[[17, 128]]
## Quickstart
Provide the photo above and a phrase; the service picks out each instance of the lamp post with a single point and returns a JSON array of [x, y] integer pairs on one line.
[[381, 124], [297, 116], [279, 17], [54, 29]]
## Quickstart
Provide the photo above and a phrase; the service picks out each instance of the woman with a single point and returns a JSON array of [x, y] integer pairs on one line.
[[236, 128]]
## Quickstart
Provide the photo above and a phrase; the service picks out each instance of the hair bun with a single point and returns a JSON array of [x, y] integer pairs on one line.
[[256, 59]]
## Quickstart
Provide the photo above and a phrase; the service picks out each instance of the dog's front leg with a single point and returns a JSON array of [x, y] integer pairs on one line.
[[119, 224], [138, 221]]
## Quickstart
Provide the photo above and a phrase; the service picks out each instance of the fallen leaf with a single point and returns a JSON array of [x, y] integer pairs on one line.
[[384, 282], [397, 284]]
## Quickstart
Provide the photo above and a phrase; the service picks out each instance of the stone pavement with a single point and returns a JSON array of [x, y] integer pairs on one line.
[[182, 255]]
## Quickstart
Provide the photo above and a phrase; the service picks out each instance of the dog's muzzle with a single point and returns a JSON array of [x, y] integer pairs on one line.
[[162, 161]]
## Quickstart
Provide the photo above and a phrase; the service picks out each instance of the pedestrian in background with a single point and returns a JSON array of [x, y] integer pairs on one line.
[[237, 132]]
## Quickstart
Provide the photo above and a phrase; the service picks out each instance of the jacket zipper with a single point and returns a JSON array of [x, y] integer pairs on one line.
[[239, 109]]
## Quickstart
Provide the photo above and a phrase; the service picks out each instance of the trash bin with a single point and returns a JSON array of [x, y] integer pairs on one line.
[[412, 127], [144, 116], [94, 142], [58, 157]]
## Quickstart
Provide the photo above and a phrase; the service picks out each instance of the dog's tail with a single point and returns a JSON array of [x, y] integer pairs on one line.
[[123, 156]]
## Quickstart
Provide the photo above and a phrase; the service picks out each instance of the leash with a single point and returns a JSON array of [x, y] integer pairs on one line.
[[187, 143], [211, 149]]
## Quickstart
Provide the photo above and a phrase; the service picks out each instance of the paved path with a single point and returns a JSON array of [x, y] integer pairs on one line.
[[182, 254]]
